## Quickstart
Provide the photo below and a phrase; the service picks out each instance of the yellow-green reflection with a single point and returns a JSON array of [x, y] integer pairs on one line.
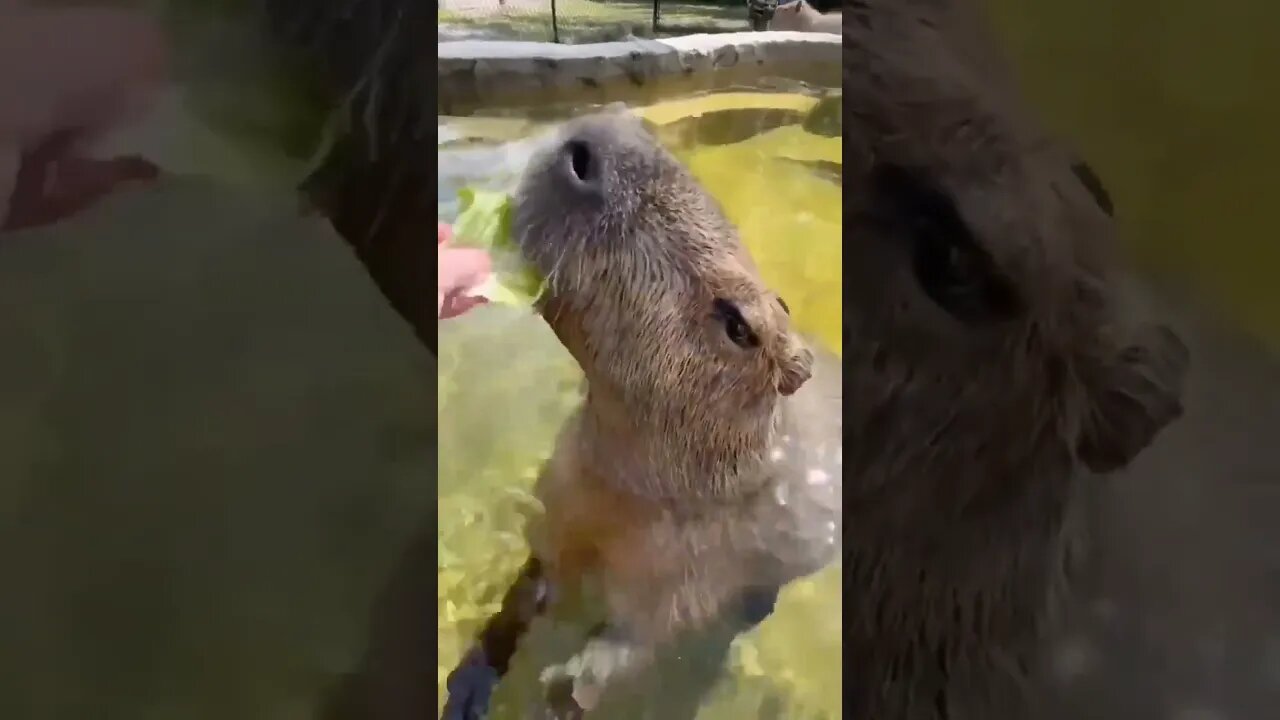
[[1169, 102], [506, 384]]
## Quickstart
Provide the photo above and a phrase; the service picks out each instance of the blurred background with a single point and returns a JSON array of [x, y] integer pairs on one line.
[[1171, 103]]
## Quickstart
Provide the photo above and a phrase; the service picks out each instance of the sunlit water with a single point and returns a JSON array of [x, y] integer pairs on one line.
[[506, 384]]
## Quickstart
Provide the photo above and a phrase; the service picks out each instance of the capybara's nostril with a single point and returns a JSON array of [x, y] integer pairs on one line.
[[582, 162]]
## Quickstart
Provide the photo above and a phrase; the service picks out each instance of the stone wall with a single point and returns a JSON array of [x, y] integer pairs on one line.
[[476, 74]]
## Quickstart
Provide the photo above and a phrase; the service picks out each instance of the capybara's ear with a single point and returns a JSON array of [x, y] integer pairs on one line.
[[1135, 394], [795, 366]]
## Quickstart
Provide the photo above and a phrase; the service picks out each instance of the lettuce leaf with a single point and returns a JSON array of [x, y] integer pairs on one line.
[[485, 222]]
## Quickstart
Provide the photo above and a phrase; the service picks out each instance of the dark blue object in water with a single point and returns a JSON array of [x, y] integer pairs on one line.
[[470, 688]]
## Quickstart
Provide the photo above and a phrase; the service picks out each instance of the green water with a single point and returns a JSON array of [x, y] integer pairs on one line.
[[506, 384]]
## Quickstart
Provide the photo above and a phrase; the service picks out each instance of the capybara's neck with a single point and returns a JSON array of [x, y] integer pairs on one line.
[[949, 566], [952, 598], [683, 452]]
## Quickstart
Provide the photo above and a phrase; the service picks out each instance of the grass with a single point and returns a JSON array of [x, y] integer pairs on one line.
[[590, 20]]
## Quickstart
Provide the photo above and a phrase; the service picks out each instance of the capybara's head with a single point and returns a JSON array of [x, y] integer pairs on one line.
[[990, 350], [649, 285]]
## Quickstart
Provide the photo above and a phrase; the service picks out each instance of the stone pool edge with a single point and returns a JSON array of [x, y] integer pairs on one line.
[[475, 74]]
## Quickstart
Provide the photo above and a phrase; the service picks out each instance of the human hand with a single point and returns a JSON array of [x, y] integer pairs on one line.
[[69, 76], [461, 271]]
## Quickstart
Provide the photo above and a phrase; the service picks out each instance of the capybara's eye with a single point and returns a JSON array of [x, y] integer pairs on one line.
[[785, 308], [951, 267], [735, 326]]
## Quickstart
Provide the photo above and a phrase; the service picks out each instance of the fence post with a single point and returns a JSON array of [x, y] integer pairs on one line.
[[555, 27], [655, 16]]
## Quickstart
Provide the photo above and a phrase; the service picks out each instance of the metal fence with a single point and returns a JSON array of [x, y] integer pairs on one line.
[[579, 21]]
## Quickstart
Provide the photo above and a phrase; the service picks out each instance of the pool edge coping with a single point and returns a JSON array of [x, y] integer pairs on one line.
[[477, 74]]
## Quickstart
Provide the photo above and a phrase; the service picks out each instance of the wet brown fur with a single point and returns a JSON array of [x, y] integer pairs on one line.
[[800, 16], [969, 441], [681, 482]]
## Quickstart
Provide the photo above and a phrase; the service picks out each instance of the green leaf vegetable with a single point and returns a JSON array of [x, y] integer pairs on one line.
[[485, 223]]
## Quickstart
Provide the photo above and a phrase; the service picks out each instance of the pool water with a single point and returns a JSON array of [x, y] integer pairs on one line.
[[505, 385]]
